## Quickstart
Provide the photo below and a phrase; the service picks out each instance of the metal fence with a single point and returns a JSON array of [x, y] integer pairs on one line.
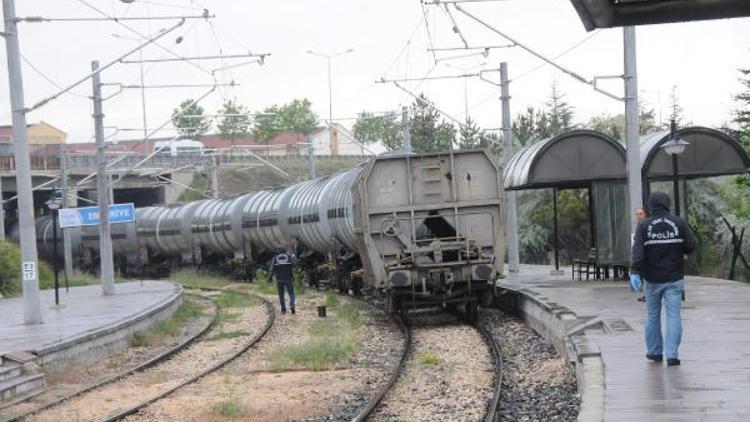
[[87, 162]]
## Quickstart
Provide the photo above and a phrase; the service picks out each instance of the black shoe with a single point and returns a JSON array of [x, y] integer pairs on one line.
[[293, 311], [642, 299], [283, 311], [655, 358], [673, 362]]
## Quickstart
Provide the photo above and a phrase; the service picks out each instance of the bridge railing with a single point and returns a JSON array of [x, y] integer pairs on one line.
[[80, 162]]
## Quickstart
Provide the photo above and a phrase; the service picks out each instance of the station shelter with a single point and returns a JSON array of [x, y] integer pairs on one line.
[[586, 159]]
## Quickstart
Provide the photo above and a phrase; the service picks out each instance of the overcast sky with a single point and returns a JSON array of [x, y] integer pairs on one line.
[[389, 38]]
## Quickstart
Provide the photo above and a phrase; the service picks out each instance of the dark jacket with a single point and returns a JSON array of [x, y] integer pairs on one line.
[[660, 243], [281, 266]]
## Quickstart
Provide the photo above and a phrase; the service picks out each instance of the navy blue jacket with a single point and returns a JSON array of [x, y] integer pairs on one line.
[[660, 244], [281, 266]]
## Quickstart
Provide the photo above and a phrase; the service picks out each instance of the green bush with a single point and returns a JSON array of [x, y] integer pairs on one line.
[[10, 270]]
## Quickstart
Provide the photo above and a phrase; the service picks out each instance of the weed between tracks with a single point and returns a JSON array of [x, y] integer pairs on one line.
[[331, 340], [193, 279], [167, 328], [428, 359], [230, 408]]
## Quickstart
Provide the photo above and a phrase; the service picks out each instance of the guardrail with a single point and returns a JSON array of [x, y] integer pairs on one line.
[[87, 162]]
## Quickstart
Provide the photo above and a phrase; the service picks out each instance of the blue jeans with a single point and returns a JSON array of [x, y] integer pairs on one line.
[[671, 293], [288, 285]]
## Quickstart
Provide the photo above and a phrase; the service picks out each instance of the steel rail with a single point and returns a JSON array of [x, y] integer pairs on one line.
[[395, 375], [492, 406], [271, 319], [139, 368]]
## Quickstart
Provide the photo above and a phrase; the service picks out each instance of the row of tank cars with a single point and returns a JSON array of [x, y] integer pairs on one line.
[[414, 229]]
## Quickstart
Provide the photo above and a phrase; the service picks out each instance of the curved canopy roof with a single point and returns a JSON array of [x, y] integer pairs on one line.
[[710, 153], [571, 159]]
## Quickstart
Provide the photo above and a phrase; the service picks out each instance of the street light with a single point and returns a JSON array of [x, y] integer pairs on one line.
[[330, 90], [54, 205], [675, 147]]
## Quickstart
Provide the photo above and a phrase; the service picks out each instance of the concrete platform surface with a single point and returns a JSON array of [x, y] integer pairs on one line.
[[713, 382], [86, 311]]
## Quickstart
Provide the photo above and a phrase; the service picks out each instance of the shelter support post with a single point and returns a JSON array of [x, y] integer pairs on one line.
[[555, 234]]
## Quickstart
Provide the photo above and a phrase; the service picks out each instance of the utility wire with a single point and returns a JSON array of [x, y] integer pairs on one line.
[[138, 33], [563, 53], [48, 79]]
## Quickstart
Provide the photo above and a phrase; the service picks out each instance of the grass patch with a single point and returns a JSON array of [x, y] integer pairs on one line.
[[167, 328], [428, 359], [226, 316], [193, 279], [234, 300], [332, 299], [315, 355], [231, 408], [228, 335], [331, 339]]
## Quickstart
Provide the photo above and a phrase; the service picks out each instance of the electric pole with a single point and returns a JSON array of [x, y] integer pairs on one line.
[[510, 196], [2, 213], [215, 177], [631, 124], [107, 272], [311, 156], [32, 311], [66, 203], [406, 128]]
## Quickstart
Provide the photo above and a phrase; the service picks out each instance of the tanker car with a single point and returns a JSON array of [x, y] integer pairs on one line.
[[427, 229]]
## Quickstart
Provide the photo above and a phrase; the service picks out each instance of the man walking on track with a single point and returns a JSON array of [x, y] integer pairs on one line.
[[659, 246], [281, 268]]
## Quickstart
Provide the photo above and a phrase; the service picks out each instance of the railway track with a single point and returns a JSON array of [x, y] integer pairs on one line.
[[395, 374], [491, 407], [174, 357], [155, 360]]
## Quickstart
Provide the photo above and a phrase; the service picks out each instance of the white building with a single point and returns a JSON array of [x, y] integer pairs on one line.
[[341, 141]]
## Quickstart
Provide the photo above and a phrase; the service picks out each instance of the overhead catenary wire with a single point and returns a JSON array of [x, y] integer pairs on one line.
[[139, 34], [534, 53]]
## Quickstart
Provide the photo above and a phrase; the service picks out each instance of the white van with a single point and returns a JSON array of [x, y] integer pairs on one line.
[[184, 146]]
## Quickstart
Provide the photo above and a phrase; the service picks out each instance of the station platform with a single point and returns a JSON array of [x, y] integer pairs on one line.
[[90, 324], [713, 382]]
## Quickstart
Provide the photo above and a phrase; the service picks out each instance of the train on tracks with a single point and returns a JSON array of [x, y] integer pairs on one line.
[[418, 230]]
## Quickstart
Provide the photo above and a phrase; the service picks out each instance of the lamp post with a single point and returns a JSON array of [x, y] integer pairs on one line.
[[54, 205], [675, 147], [328, 57]]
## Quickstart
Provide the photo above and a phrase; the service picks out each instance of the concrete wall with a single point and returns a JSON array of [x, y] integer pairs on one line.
[[99, 344]]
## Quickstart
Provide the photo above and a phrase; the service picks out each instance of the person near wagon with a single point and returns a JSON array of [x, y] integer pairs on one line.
[[660, 244], [640, 215], [282, 269]]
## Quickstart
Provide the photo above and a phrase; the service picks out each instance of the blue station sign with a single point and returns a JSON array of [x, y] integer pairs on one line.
[[89, 216]]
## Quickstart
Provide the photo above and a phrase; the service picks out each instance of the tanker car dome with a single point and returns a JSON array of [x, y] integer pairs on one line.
[[183, 146]]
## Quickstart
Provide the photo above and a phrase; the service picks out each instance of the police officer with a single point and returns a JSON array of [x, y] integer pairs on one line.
[[281, 268], [660, 243]]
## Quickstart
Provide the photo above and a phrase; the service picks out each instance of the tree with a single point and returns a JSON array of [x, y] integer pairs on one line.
[[296, 117], [675, 110], [560, 112], [469, 135], [524, 127], [428, 132], [614, 125], [189, 120], [267, 125], [369, 129], [235, 120]]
